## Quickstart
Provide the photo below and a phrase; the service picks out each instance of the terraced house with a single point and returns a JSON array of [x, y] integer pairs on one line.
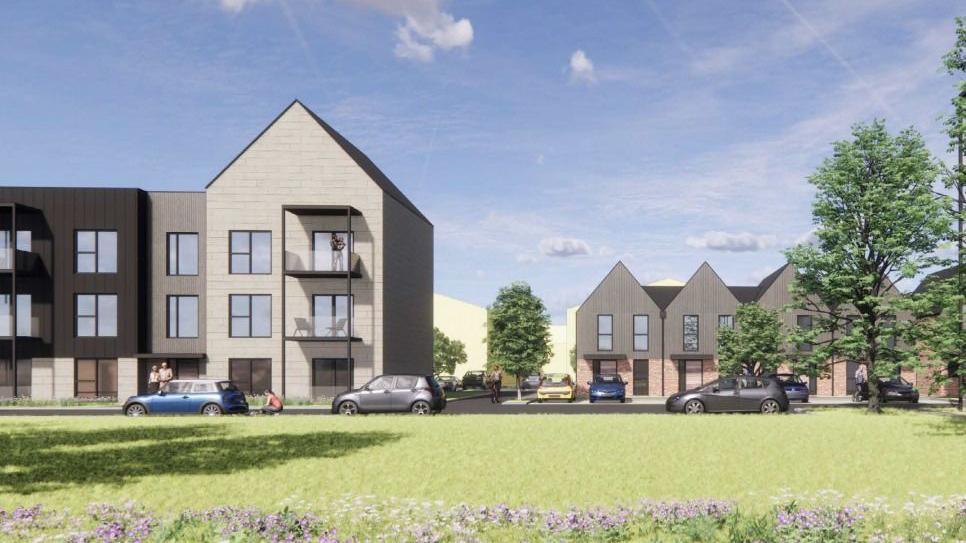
[[662, 338], [301, 267]]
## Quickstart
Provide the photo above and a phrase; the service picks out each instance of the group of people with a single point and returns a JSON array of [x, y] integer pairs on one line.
[[158, 379]]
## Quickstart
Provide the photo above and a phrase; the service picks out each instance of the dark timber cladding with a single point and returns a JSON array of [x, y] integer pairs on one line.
[[54, 215]]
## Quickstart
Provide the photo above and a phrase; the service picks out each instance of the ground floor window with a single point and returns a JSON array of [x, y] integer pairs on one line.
[[642, 377], [15, 378], [251, 375], [330, 376], [605, 367], [95, 378]]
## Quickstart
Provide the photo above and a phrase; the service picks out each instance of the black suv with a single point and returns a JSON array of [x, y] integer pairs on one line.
[[474, 379]]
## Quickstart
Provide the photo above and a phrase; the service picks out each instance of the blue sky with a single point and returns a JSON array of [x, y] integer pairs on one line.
[[545, 140]]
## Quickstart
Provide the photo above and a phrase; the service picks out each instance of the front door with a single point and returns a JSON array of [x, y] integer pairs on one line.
[[377, 395], [689, 374], [403, 392], [641, 375], [725, 398], [850, 369]]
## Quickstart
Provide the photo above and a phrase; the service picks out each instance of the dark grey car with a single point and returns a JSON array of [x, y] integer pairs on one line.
[[732, 394], [418, 394]]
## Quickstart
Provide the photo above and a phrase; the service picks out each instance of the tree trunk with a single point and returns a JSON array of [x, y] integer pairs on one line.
[[519, 390], [874, 404]]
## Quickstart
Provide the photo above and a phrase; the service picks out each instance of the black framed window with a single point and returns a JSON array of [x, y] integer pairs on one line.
[[331, 314], [726, 321], [250, 315], [253, 376], [95, 315], [250, 252], [24, 315], [605, 332], [182, 253], [95, 251], [95, 378], [182, 316], [641, 332], [15, 378], [805, 323], [326, 252], [331, 376], [690, 330]]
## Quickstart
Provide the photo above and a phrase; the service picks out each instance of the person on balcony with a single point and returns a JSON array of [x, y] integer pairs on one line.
[[337, 243]]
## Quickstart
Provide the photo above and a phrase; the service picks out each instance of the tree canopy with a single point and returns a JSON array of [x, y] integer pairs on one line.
[[519, 334], [754, 345], [447, 352]]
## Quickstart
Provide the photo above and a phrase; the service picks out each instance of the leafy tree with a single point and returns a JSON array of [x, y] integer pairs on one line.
[[447, 353], [754, 345], [877, 220], [519, 332]]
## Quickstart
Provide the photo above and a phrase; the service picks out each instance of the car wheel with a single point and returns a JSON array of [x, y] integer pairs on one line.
[[592, 400], [211, 410], [694, 407], [135, 410], [420, 407], [770, 407], [348, 408]]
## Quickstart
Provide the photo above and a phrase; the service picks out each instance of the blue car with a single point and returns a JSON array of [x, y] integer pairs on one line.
[[607, 387], [206, 396], [795, 388]]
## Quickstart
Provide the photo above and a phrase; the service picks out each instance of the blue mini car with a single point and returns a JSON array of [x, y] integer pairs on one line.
[[795, 388], [206, 396], [607, 387]]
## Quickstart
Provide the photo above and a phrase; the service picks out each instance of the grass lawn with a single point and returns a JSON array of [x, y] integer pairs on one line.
[[545, 460]]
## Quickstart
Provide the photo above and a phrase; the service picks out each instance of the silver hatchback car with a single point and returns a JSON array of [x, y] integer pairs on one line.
[[418, 394]]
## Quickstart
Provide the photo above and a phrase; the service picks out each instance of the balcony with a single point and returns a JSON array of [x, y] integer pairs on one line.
[[328, 329], [323, 264], [24, 261], [26, 328]]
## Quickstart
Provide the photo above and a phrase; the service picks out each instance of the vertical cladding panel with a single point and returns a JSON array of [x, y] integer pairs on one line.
[[705, 295], [294, 162], [408, 291], [182, 212], [622, 296]]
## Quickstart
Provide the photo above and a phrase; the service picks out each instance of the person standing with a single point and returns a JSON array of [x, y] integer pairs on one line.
[[165, 375], [861, 381], [496, 384], [154, 379], [337, 244]]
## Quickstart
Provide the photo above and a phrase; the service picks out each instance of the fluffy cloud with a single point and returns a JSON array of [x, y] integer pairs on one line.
[[425, 27], [582, 68], [563, 247], [735, 243]]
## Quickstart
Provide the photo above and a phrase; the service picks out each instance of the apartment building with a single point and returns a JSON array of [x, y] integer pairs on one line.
[[662, 339], [301, 267]]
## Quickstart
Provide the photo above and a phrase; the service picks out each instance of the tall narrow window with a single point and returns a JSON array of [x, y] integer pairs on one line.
[[690, 333], [330, 315], [640, 332], [251, 315], [726, 321], [96, 251], [24, 315], [96, 315], [182, 253], [182, 316], [605, 332], [805, 323], [250, 252]]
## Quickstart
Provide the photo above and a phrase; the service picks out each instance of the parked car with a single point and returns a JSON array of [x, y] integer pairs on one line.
[[896, 389], [609, 387], [556, 386], [205, 396], [532, 382], [448, 382], [731, 394], [474, 379], [795, 388], [418, 394]]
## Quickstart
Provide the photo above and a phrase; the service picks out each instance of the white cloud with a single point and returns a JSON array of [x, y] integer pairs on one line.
[[582, 68], [563, 247], [807, 237], [425, 27], [236, 6], [736, 243], [527, 258]]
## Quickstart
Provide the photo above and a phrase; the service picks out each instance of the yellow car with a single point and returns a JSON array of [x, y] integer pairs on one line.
[[556, 386]]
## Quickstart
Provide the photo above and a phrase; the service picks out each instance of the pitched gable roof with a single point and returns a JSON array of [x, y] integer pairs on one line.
[[941, 275], [357, 156], [745, 295], [661, 295]]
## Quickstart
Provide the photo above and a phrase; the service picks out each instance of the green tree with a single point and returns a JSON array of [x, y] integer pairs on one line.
[[877, 220], [447, 353], [519, 332], [754, 345]]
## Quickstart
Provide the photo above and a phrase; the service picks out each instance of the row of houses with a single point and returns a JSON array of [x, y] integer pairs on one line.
[[662, 338], [300, 267]]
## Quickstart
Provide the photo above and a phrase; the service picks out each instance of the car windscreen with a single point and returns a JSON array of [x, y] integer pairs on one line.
[[607, 379], [556, 380], [790, 379], [897, 381]]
